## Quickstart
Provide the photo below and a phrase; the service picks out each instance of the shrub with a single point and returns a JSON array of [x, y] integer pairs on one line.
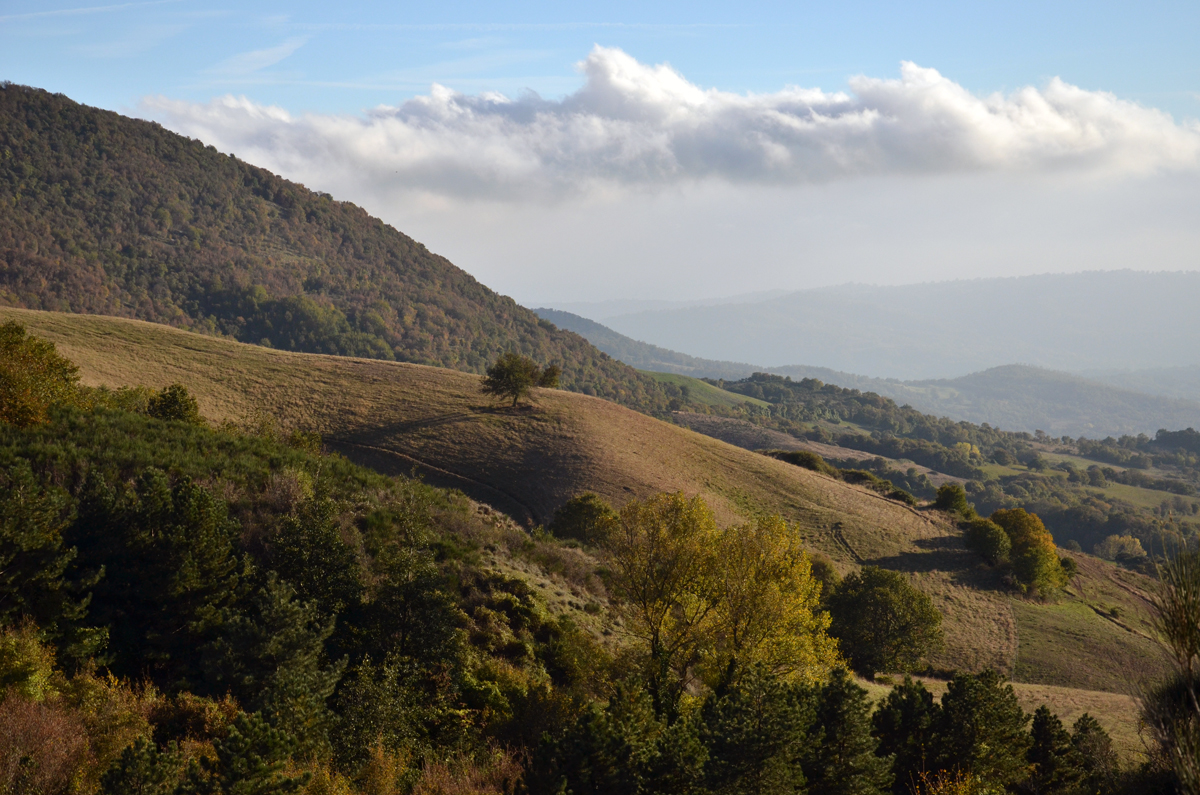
[[587, 519], [1035, 559], [175, 403], [1120, 548], [988, 540], [952, 498], [805, 459], [43, 747], [33, 377]]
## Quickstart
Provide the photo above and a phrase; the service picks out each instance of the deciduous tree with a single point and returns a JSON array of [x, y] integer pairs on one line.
[[514, 376], [883, 622]]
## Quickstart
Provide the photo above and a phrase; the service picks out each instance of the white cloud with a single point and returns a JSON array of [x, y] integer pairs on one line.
[[646, 127]]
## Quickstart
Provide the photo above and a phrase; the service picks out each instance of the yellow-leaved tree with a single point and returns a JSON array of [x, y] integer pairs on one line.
[[661, 558], [33, 377], [767, 607], [710, 603], [1035, 560]]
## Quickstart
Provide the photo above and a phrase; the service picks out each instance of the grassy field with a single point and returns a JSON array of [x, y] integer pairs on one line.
[[403, 418], [702, 392]]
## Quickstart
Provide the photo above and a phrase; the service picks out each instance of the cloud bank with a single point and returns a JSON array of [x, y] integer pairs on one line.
[[637, 126]]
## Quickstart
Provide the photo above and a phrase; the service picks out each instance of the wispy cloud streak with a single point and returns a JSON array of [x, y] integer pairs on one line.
[[70, 12]]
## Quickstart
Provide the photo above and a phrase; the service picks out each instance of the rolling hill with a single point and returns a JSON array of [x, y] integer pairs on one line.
[[1012, 397], [404, 418], [111, 215]]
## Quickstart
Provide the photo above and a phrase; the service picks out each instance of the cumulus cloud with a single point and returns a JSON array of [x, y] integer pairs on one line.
[[642, 126]]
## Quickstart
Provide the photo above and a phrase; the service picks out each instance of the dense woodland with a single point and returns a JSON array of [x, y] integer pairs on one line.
[[188, 608], [105, 214]]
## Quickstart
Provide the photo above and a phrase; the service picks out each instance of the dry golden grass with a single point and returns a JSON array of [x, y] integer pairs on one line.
[[401, 418]]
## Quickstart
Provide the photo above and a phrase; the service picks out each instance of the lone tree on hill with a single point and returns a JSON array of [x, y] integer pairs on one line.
[[514, 375]]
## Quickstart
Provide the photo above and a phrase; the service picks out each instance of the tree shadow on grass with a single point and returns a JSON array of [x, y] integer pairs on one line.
[[942, 553]]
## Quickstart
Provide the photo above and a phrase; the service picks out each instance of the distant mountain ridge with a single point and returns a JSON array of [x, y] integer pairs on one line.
[[1011, 397], [1115, 320], [104, 214]]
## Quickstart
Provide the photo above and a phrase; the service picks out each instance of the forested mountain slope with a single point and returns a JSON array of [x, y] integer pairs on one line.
[[105, 214], [643, 355]]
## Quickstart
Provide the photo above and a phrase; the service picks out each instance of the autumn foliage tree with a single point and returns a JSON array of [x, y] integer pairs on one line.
[[33, 377], [1034, 557], [708, 603]]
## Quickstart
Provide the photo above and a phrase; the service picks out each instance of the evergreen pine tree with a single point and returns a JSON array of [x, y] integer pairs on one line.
[[841, 759], [309, 553], [755, 734], [904, 723], [250, 760], [142, 769], [1097, 757], [271, 657], [608, 751], [1053, 759], [37, 578], [981, 729], [170, 569]]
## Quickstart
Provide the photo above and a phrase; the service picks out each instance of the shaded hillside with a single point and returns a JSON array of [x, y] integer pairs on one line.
[[110, 215], [1074, 322], [403, 418]]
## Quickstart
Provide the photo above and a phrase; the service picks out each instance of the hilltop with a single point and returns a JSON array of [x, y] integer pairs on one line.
[[404, 418], [106, 214]]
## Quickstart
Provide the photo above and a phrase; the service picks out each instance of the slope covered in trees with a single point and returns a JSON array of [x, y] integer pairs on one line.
[[189, 608], [400, 418], [105, 214]]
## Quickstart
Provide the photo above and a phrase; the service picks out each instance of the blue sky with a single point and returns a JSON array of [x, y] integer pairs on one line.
[[966, 187], [345, 56]]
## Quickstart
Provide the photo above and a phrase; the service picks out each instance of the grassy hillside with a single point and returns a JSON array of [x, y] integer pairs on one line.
[[111, 215], [695, 392], [401, 417]]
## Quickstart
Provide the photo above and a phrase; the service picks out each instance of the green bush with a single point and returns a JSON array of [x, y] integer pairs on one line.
[[952, 498], [175, 403], [988, 540], [882, 622], [587, 519]]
